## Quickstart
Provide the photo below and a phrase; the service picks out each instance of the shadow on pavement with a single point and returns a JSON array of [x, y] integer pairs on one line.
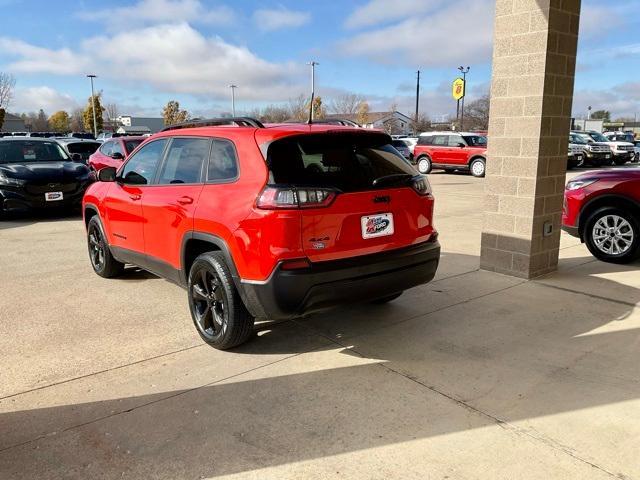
[[520, 351], [15, 220]]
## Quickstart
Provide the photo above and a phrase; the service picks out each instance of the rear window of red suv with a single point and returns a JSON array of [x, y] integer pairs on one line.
[[349, 162]]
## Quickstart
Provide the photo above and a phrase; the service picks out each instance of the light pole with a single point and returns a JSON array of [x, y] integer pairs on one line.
[[415, 126], [589, 112], [313, 88], [93, 106], [464, 79], [233, 99]]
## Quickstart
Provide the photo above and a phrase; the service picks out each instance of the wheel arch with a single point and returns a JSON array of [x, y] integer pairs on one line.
[[602, 201], [88, 212], [197, 243], [477, 157]]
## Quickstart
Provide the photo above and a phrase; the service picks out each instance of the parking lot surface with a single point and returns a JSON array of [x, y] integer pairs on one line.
[[475, 375]]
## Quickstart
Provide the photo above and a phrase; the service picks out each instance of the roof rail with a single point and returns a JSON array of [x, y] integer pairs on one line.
[[216, 122], [331, 121]]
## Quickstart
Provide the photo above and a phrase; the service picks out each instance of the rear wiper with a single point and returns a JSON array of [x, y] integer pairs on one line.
[[391, 179]]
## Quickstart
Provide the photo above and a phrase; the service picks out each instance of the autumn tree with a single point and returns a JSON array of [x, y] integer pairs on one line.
[[346, 104], [319, 111], [60, 121], [87, 114], [274, 114], [172, 113], [363, 113]]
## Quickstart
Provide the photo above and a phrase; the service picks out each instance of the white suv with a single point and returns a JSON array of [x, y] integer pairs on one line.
[[622, 151]]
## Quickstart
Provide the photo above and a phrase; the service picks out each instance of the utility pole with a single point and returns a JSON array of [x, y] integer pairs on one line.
[[415, 126], [233, 99], [93, 106], [464, 79], [313, 88]]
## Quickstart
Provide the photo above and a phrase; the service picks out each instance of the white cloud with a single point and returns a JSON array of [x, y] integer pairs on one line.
[[169, 58], [147, 12], [462, 32], [32, 99], [276, 19], [382, 11], [600, 20], [621, 100]]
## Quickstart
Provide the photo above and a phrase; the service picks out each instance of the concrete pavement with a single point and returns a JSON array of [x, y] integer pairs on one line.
[[475, 375]]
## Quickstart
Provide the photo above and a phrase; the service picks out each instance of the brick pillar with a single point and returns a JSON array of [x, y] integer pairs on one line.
[[534, 61]]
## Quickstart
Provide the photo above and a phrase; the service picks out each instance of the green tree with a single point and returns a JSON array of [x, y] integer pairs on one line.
[[87, 114], [172, 113], [601, 115], [60, 121]]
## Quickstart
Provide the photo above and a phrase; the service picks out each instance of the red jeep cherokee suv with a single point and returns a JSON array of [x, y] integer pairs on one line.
[[451, 151], [265, 222], [602, 208]]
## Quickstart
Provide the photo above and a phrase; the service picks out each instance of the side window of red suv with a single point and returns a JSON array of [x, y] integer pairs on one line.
[[223, 162], [184, 161], [141, 168]]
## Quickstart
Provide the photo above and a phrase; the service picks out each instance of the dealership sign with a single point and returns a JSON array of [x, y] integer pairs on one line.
[[458, 89]]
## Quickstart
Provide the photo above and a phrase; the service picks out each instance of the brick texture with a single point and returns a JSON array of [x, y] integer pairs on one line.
[[534, 62]]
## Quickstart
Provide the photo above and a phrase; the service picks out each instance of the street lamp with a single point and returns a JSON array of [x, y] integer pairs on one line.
[[93, 106], [233, 99], [464, 79], [313, 88]]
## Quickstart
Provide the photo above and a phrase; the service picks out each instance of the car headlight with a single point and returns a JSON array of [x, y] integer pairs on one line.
[[576, 184], [12, 182]]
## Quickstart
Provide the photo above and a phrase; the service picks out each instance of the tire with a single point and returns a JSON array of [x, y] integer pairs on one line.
[[217, 311], [100, 255], [613, 235], [424, 165], [478, 167], [387, 299]]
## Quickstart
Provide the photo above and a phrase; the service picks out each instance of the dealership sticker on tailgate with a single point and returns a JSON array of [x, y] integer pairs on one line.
[[377, 225], [53, 196]]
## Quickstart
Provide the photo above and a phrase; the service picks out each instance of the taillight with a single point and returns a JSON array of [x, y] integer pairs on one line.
[[275, 198], [421, 186]]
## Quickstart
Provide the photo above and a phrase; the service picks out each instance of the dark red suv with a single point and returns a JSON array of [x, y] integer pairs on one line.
[[265, 222], [602, 208], [451, 151]]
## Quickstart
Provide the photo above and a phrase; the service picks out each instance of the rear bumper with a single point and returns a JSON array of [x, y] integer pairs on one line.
[[288, 294]]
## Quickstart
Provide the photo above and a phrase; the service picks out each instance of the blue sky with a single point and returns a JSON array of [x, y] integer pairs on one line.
[[146, 52]]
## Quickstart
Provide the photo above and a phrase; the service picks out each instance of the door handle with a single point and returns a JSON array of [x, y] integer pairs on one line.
[[185, 200], [135, 196]]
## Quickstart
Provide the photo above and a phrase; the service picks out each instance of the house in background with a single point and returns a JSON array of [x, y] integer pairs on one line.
[[153, 124], [13, 123], [395, 123]]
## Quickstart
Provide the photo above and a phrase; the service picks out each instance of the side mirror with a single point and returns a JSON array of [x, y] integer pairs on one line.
[[76, 157], [117, 156], [107, 174]]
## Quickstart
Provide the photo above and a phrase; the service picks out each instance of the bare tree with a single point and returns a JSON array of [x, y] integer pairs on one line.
[[7, 84], [476, 114], [298, 108], [347, 103], [112, 112], [77, 124]]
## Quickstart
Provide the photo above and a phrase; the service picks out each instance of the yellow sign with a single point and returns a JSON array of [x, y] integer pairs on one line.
[[458, 89]]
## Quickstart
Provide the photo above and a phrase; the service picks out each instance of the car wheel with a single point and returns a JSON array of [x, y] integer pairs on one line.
[[424, 165], [387, 299], [612, 235], [216, 308], [477, 167], [100, 255]]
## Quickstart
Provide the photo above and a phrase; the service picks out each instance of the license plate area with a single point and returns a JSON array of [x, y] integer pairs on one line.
[[53, 196], [380, 225]]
